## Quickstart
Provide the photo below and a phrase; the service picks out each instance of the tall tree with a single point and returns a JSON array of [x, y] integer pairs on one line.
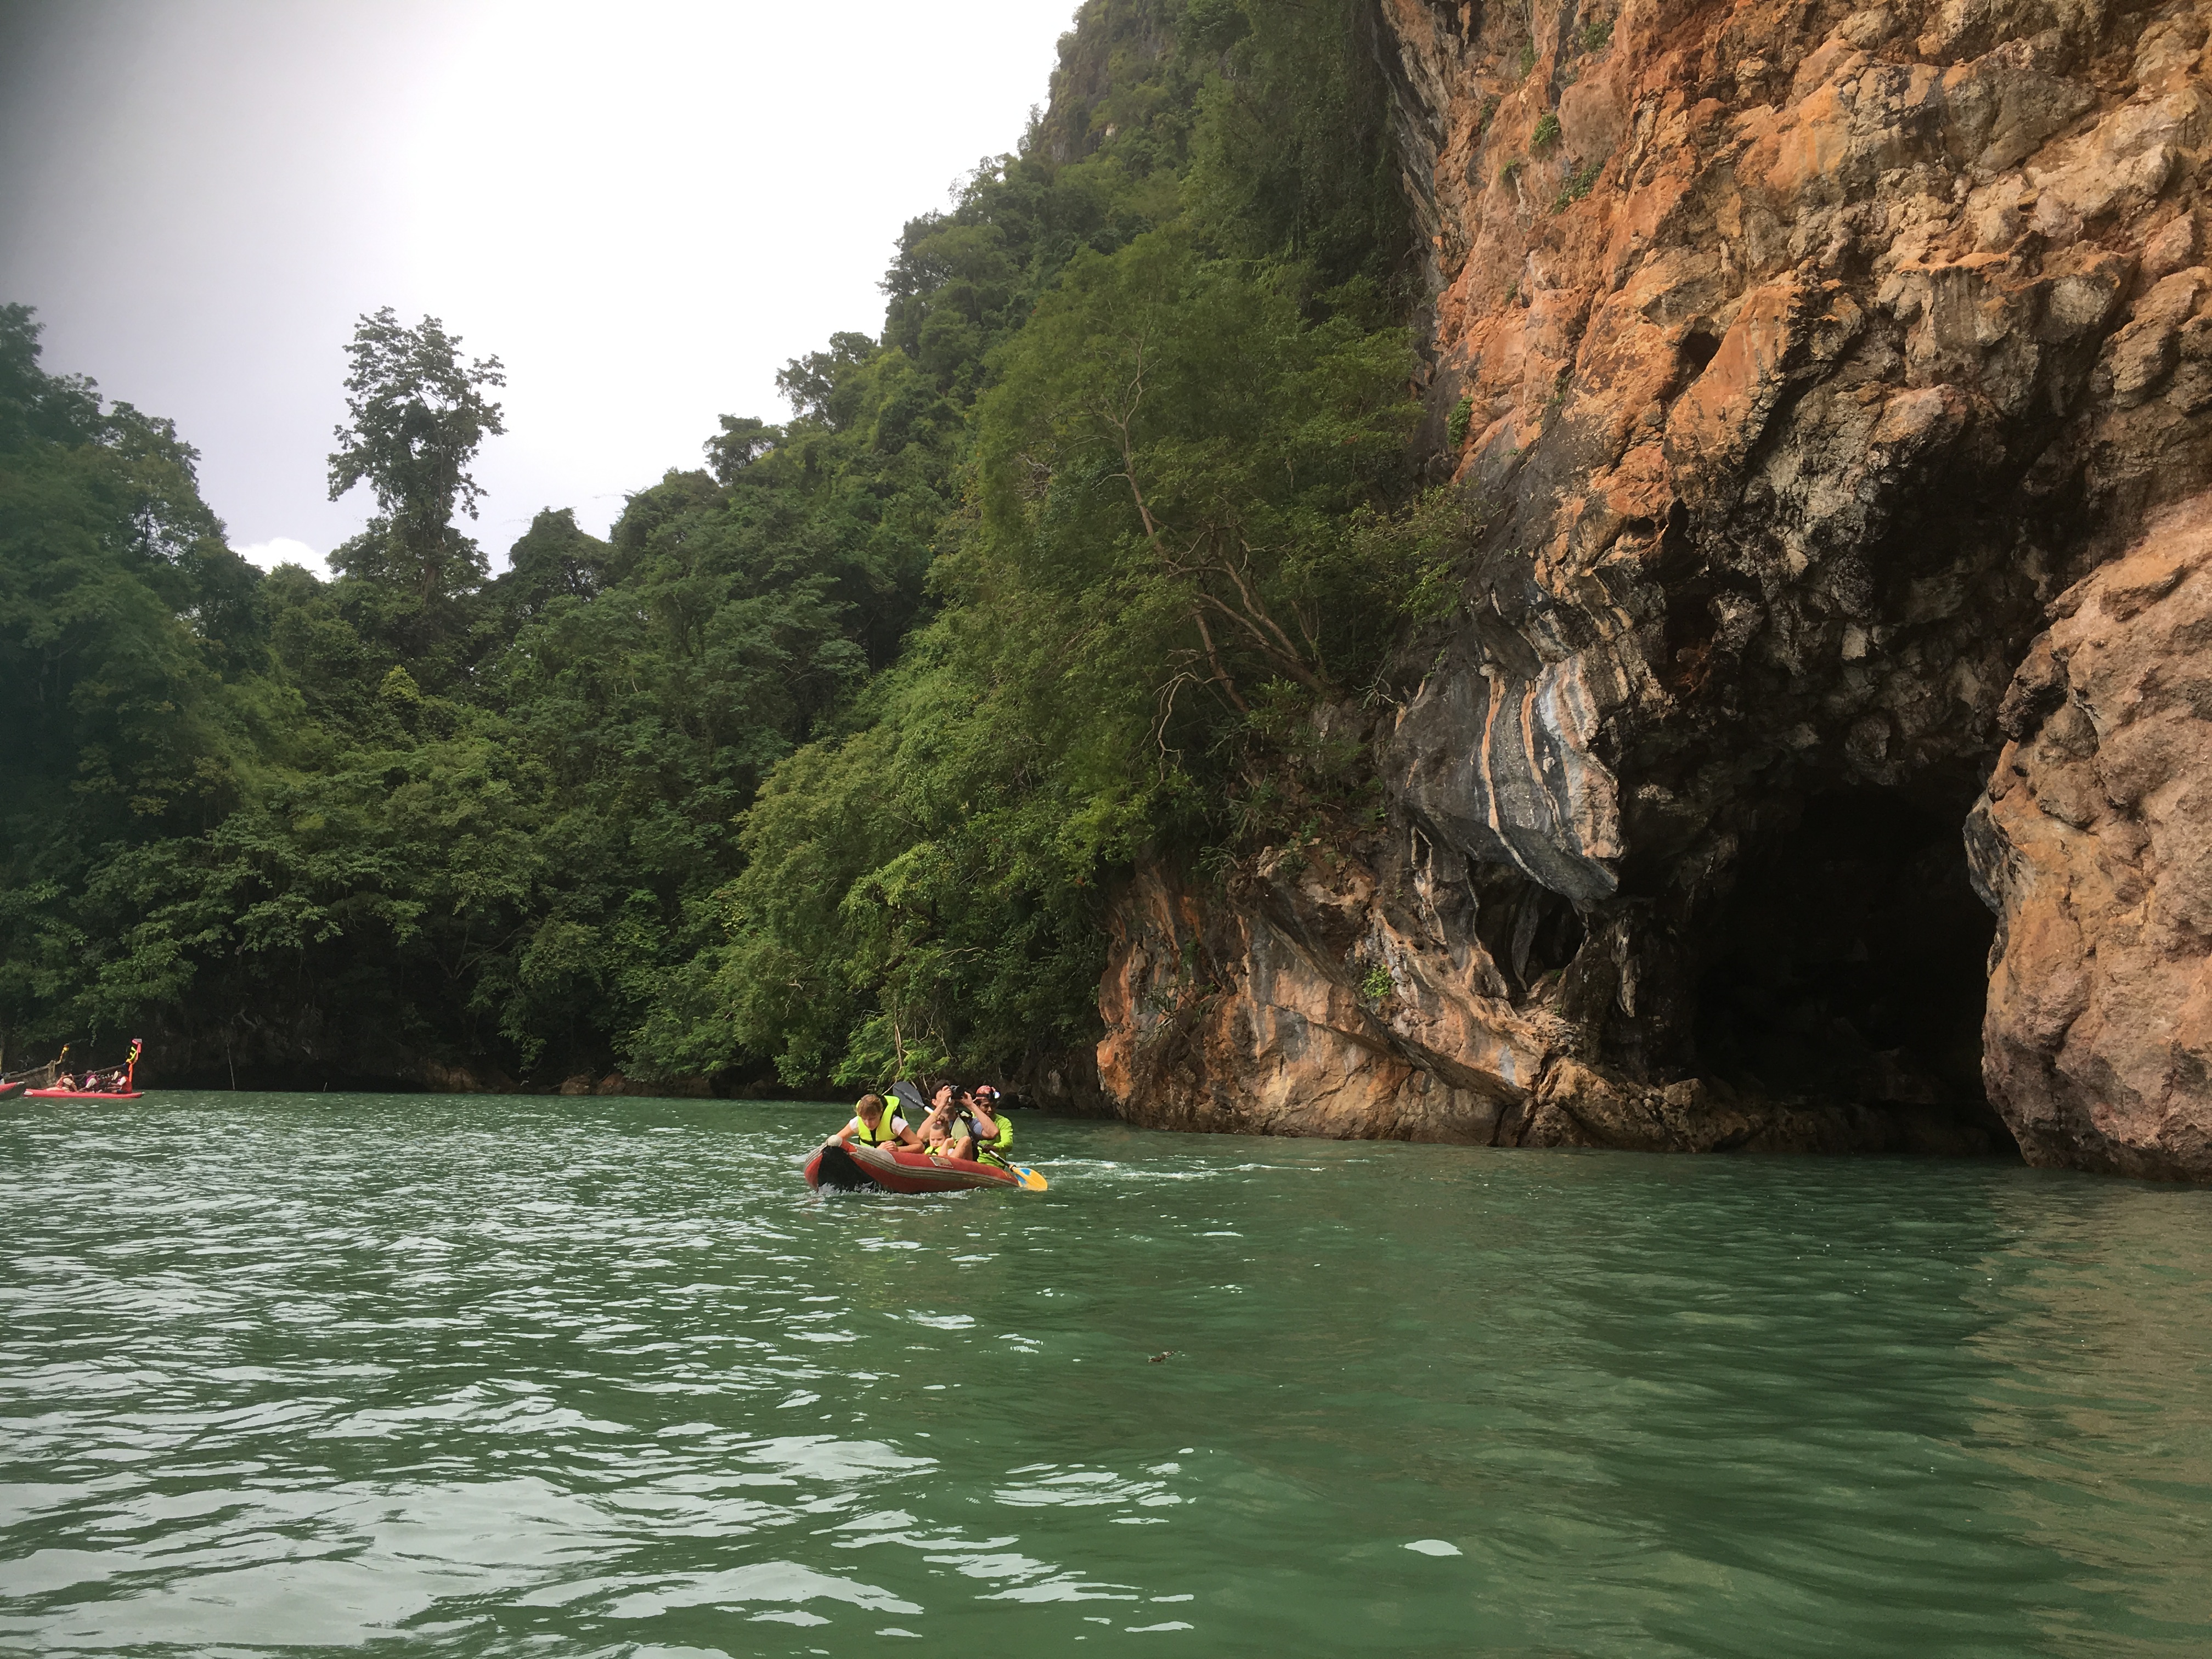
[[823, 754], [417, 415]]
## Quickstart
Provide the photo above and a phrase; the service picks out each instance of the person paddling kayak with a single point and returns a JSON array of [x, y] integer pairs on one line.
[[982, 1132]]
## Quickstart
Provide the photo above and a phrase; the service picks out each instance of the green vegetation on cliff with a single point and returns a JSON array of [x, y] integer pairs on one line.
[[821, 759]]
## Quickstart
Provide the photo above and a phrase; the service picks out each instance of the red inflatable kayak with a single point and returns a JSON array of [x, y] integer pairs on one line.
[[79, 1094], [840, 1167]]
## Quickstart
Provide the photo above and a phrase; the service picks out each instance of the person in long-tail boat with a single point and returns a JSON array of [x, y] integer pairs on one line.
[[876, 1123]]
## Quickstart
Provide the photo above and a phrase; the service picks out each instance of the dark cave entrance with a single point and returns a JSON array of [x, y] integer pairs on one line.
[[1850, 962], [1529, 931]]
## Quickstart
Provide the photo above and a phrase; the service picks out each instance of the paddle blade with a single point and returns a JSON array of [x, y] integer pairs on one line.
[[1030, 1178]]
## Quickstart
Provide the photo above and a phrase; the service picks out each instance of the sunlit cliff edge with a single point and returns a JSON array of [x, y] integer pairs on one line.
[[1838, 382]]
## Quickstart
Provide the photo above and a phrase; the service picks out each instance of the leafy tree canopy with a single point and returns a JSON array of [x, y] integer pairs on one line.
[[818, 765]]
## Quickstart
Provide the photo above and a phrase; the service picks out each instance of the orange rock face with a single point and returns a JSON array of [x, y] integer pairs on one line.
[[2094, 842], [1804, 356], [1249, 1016]]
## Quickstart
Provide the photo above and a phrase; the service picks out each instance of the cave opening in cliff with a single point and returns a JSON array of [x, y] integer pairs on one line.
[[1849, 962], [1529, 931]]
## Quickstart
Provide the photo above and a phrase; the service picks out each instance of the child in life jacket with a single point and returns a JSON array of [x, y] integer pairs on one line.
[[937, 1132], [876, 1123]]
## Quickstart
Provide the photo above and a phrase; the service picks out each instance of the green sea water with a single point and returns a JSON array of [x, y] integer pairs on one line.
[[320, 1373]]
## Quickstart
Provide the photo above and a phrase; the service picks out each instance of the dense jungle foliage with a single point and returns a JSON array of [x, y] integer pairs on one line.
[[820, 762]]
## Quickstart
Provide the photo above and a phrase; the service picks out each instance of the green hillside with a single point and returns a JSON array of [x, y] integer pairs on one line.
[[824, 761]]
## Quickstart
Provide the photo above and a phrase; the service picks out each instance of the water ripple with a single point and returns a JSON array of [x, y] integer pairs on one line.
[[298, 1374]]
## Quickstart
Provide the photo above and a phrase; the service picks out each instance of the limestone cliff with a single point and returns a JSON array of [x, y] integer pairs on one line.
[[1812, 361], [2094, 843]]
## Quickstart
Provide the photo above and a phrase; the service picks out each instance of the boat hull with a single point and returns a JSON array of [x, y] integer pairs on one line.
[[79, 1094], [841, 1168]]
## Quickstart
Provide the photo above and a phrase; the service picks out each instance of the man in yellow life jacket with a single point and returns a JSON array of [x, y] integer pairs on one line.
[[984, 1132], [875, 1124]]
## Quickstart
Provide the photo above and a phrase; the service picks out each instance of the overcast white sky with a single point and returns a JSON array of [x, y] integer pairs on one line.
[[645, 207]]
